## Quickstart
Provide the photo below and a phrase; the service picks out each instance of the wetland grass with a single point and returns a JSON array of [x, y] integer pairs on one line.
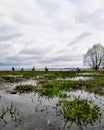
[[79, 111], [48, 80], [50, 92], [11, 78], [94, 85], [26, 88]]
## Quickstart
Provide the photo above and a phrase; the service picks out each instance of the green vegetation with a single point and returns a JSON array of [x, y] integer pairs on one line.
[[39, 74], [53, 82], [53, 88], [78, 111], [26, 88], [95, 85], [50, 92], [58, 84], [11, 78]]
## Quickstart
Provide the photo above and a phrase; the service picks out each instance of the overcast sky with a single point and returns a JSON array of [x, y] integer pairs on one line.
[[52, 33]]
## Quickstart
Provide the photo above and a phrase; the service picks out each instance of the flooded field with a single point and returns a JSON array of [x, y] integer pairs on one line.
[[39, 109]]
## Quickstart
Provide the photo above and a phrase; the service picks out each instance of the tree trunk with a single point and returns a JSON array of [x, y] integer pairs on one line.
[[80, 127], [96, 67]]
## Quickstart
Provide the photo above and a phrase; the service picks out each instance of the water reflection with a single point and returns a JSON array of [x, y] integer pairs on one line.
[[39, 111], [8, 113], [77, 78]]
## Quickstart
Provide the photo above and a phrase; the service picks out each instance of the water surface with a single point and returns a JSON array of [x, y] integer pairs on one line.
[[39, 113]]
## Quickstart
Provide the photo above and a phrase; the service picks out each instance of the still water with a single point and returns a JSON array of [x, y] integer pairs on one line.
[[39, 113]]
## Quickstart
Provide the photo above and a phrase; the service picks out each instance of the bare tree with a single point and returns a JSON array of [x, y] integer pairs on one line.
[[33, 69], [13, 69], [94, 56], [22, 69], [46, 69]]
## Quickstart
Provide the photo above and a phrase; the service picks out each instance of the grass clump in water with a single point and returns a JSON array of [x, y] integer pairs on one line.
[[78, 111], [63, 95], [49, 90], [52, 89], [11, 78], [26, 88]]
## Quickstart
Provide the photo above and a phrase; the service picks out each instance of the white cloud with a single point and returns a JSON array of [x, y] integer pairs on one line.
[[49, 33]]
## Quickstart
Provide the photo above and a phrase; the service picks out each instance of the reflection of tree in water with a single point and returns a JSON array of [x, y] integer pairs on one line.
[[79, 111]]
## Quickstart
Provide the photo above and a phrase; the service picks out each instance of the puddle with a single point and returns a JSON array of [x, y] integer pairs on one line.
[[77, 78], [29, 82], [8, 87], [38, 112]]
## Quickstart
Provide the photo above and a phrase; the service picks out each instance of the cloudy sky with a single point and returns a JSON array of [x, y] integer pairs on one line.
[[52, 33]]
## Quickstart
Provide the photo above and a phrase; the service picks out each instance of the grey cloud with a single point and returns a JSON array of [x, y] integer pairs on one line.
[[77, 57], [26, 59], [24, 20], [36, 59], [79, 38], [76, 1], [34, 51], [67, 58], [8, 32], [5, 27], [5, 37], [51, 5], [23, 60], [83, 35], [43, 31], [94, 19]]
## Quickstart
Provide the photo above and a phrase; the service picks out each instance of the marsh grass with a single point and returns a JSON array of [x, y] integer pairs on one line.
[[49, 92], [11, 78], [78, 111], [94, 85], [48, 80], [26, 88]]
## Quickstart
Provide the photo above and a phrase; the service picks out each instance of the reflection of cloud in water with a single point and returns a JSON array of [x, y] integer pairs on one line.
[[98, 100], [77, 78], [39, 110]]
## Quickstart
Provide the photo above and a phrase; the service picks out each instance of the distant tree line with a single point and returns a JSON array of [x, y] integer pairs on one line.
[[33, 69]]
